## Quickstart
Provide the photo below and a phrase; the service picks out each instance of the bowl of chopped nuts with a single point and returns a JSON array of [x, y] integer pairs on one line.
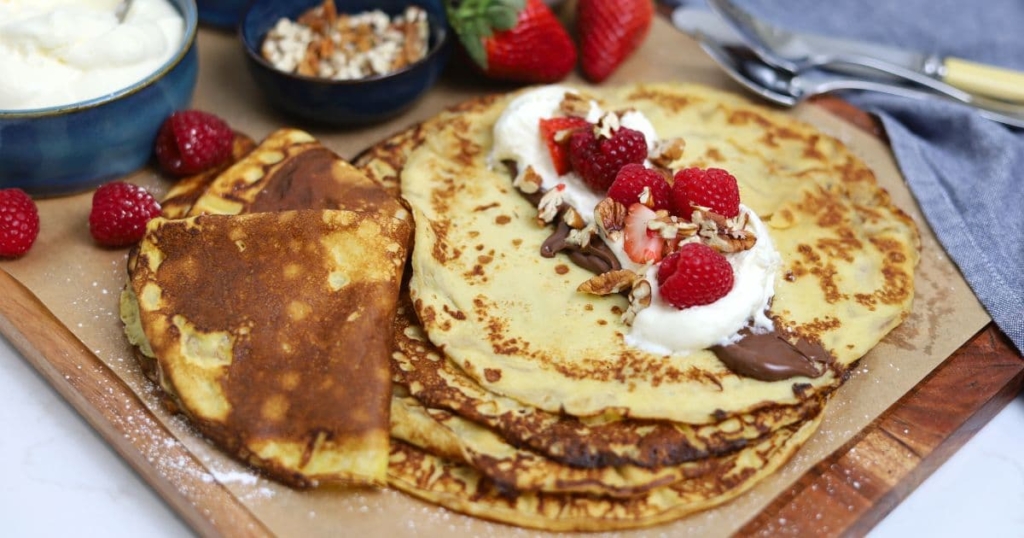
[[361, 63]]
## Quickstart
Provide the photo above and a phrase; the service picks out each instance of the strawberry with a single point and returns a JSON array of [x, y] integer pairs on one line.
[[609, 32], [631, 181], [19, 222], [191, 141], [641, 244], [694, 275], [120, 212], [559, 149], [513, 40], [713, 188], [598, 159]]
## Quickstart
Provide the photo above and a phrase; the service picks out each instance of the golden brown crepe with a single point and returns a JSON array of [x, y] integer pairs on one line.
[[277, 354], [608, 440], [516, 397], [461, 488], [271, 329], [514, 322]]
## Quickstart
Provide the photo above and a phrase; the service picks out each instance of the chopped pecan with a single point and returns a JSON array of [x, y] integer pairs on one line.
[[573, 218], [608, 124], [550, 204], [609, 283], [639, 299], [666, 152], [574, 104], [610, 216], [670, 227], [581, 237], [529, 181], [724, 234]]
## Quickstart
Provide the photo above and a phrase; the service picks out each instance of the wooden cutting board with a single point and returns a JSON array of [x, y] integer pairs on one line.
[[846, 492]]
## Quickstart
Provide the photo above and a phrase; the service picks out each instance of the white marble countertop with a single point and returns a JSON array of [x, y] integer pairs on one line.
[[61, 478]]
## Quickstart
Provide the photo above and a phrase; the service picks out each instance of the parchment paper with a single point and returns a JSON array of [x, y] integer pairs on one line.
[[80, 283]]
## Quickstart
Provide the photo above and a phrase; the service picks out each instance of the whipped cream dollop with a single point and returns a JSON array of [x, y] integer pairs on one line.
[[663, 328], [517, 138], [660, 328], [59, 52]]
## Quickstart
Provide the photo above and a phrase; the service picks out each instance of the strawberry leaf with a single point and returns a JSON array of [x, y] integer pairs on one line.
[[476, 20]]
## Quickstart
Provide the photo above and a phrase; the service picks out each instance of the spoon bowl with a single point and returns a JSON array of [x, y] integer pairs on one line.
[[785, 88]]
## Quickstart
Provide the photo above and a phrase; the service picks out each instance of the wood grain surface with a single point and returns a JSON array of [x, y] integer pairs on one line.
[[117, 413], [854, 488], [845, 494]]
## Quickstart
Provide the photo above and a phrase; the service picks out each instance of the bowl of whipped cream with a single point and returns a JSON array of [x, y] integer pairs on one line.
[[85, 87]]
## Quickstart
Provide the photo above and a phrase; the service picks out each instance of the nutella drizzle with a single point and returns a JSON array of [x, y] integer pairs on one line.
[[596, 257], [770, 357]]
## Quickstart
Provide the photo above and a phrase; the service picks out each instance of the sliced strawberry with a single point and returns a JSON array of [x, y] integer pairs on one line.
[[641, 244], [559, 149]]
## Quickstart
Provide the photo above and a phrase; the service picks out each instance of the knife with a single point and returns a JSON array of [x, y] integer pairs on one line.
[[966, 75]]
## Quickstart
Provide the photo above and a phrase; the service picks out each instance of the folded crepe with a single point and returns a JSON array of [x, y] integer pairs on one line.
[[264, 310]]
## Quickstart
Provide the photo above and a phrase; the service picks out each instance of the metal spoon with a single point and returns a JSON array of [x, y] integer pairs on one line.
[[788, 89], [122, 9], [766, 41]]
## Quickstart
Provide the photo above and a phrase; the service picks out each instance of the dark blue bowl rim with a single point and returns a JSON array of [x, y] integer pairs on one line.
[[439, 44], [189, 13]]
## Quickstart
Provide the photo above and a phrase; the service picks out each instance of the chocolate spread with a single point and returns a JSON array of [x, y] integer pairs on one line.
[[596, 257], [770, 357]]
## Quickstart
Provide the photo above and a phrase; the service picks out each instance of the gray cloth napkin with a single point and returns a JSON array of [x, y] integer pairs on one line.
[[966, 173]]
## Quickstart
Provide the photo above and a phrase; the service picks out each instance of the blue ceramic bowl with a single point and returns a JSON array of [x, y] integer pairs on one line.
[[343, 102], [67, 149], [221, 13]]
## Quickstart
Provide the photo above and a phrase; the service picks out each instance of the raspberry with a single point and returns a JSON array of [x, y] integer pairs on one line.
[[630, 182], [192, 141], [120, 212], [550, 129], [598, 159], [713, 188], [19, 223], [694, 275]]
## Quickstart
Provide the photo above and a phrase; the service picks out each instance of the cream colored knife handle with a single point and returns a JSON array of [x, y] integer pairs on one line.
[[987, 80]]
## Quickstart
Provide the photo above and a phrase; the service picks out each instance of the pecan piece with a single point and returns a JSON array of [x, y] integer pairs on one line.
[[639, 299], [572, 217], [529, 181], [574, 104], [549, 205], [666, 152], [610, 216], [724, 234], [609, 283]]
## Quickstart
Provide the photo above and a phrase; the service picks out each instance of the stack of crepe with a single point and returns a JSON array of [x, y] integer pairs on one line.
[[269, 304], [518, 399]]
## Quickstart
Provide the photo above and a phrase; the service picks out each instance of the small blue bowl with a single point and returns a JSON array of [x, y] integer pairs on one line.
[[67, 149], [223, 14], [343, 102]]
